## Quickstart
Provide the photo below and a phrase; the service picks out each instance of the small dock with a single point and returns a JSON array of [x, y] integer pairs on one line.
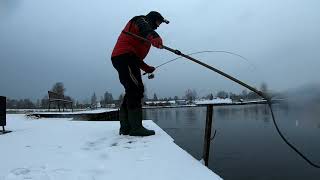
[[56, 149], [89, 115]]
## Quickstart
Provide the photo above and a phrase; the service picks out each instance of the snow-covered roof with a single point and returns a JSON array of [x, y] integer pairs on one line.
[[159, 102], [47, 149], [214, 101]]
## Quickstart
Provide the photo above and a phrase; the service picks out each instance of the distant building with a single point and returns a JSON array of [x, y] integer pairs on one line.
[[172, 103], [157, 103], [181, 102], [110, 105]]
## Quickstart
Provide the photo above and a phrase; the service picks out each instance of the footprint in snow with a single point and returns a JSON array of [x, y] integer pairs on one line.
[[114, 144], [24, 173], [96, 145], [104, 156]]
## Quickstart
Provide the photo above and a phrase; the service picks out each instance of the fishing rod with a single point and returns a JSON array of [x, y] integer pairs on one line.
[[177, 52], [206, 51], [261, 94]]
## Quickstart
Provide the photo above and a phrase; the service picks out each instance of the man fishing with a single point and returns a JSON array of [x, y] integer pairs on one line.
[[128, 58]]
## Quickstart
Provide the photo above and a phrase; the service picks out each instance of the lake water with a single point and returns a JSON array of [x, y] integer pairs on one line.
[[247, 145]]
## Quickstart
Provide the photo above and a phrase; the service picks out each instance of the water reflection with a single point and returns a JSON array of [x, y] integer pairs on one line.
[[255, 112]]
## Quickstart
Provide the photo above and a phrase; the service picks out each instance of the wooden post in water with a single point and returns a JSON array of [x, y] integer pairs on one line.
[[207, 134]]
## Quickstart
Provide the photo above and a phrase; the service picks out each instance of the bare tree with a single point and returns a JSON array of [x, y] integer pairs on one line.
[[45, 102], [102, 103], [38, 104], [20, 104], [120, 98], [264, 87], [145, 95], [235, 97], [209, 96], [244, 94], [94, 100], [58, 88], [222, 94], [253, 95], [191, 95], [108, 98]]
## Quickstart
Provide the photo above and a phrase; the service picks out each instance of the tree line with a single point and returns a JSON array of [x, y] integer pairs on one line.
[[59, 88], [107, 100]]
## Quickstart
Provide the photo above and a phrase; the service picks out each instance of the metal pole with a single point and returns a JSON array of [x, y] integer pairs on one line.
[[207, 134]]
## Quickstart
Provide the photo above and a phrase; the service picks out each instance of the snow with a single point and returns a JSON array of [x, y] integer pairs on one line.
[[47, 149], [171, 106], [252, 101], [214, 101], [96, 111]]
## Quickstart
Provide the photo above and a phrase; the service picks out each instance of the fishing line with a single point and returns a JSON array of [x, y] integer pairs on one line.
[[286, 141], [261, 94], [209, 51]]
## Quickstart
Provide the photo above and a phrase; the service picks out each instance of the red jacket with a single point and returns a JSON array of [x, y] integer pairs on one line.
[[127, 44]]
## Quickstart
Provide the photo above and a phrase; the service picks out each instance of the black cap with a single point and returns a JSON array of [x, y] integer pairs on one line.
[[154, 16]]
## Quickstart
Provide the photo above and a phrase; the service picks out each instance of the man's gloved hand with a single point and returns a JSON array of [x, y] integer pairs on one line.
[[149, 69], [157, 42], [146, 68]]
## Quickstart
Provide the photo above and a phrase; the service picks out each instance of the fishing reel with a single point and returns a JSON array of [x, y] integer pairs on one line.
[[150, 75]]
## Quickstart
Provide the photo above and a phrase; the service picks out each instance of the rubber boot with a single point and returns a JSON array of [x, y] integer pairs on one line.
[[135, 120], [124, 123]]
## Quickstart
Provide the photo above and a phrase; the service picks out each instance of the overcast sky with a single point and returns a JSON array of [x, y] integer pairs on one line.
[[43, 42]]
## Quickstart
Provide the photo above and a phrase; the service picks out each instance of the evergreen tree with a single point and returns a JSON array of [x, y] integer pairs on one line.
[[155, 98]]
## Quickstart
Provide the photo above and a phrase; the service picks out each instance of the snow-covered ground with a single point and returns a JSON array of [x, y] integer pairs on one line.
[[95, 111], [47, 149], [55, 111], [172, 106]]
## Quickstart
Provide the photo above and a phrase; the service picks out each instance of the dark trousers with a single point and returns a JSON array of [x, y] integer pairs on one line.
[[129, 72]]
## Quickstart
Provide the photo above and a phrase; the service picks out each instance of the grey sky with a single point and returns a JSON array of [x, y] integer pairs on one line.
[[43, 42]]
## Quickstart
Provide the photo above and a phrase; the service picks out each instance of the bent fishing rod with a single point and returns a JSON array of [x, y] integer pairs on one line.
[[205, 51], [177, 52], [261, 94]]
